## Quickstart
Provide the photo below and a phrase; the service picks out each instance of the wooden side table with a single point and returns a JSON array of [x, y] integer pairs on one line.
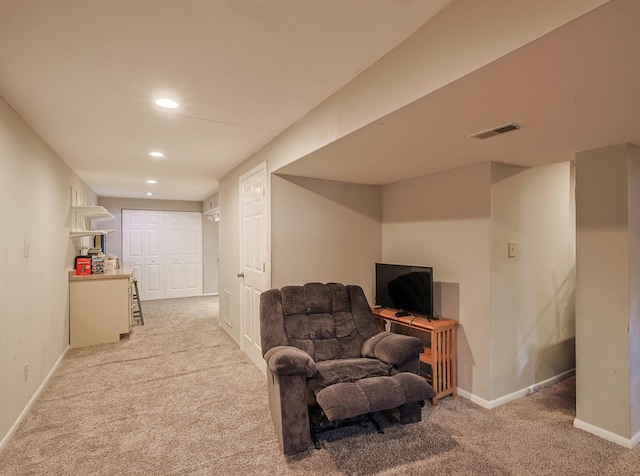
[[441, 356]]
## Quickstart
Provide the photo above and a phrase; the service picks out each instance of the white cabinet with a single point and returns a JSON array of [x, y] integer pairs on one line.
[[100, 308]]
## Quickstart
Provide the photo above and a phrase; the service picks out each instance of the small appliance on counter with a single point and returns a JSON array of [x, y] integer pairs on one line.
[[83, 265]]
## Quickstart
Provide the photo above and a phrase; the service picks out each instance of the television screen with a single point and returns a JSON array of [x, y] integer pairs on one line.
[[405, 288]]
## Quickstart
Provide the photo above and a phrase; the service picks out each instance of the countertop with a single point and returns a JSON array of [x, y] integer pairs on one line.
[[117, 274]]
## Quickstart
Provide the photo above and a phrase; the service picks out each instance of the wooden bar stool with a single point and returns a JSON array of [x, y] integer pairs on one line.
[[137, 308]]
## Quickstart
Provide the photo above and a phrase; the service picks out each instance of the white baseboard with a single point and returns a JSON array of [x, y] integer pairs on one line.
[[474, 398], [604, 434], [33, 399], [211, 294], [607, 435], [490, 404]]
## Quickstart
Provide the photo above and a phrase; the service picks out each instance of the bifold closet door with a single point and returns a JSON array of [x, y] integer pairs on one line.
[[143, 249], [165, 250], [183, 238]]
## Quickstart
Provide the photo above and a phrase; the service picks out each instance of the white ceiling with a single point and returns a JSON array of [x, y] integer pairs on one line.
[[574, 89], [84, 73]]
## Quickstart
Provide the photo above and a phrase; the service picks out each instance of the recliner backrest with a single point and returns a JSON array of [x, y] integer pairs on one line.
[[328, 321]]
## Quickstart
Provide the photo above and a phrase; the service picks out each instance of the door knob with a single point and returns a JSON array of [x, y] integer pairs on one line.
[[240, 275]]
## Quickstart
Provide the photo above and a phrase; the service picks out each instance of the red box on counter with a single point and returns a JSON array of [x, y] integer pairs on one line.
[[83, 265]]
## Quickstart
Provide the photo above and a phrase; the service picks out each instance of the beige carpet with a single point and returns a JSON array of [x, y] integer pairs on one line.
[[179, 398]]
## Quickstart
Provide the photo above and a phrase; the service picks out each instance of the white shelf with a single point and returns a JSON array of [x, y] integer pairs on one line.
[[94, 213], [80, 217], [90, 232]]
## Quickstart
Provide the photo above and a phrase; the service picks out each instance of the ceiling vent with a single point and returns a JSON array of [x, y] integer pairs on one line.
[[496, 131]]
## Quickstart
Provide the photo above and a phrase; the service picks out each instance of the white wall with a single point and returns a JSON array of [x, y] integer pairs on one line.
[[417, 67], [324, 231], [210, 254], [516, 314], [443, 220], [35, 198], [532, 294], [210, 247]]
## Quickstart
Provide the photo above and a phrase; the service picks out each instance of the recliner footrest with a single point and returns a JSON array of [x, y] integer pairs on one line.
[[346, 400]]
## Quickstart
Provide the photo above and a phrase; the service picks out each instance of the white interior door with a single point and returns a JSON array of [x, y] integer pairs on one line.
[[253, 259], [183, 232], [153, 283], [142, 249]]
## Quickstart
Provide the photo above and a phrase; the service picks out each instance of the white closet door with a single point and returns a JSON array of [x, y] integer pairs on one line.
[[132, 231], [153, 285], [165, 251], [143, 249], [183, 233]]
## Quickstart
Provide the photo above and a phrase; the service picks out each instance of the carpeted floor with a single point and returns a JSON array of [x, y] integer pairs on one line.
[[178, 397]]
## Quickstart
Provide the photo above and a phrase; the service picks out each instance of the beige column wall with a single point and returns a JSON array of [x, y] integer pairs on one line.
[[607, 293]]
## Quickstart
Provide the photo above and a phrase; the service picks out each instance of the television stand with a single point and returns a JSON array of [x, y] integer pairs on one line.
[[441, 356]]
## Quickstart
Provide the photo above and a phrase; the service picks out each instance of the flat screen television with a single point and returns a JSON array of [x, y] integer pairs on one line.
[[408, 289]]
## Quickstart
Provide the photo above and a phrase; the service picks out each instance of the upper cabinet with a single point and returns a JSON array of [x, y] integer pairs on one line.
[[82, 219]]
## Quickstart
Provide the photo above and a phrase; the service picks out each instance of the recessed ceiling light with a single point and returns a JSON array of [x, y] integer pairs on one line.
[[148, 194], [156, 154], [166, 102], [152, 181]]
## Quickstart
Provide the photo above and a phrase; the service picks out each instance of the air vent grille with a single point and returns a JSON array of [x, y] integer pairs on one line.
[[495, 131]]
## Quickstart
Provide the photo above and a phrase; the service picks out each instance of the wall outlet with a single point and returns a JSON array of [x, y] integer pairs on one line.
[[512, 249], [26, 249], [26, 371]]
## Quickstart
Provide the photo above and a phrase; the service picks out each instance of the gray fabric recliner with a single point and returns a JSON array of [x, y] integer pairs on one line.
[[323, 348]]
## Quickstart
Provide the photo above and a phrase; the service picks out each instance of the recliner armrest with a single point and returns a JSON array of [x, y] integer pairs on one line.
[[392, 348], [289, 360]]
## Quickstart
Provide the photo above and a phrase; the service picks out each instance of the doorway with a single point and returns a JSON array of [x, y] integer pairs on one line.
[[253, 259]]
